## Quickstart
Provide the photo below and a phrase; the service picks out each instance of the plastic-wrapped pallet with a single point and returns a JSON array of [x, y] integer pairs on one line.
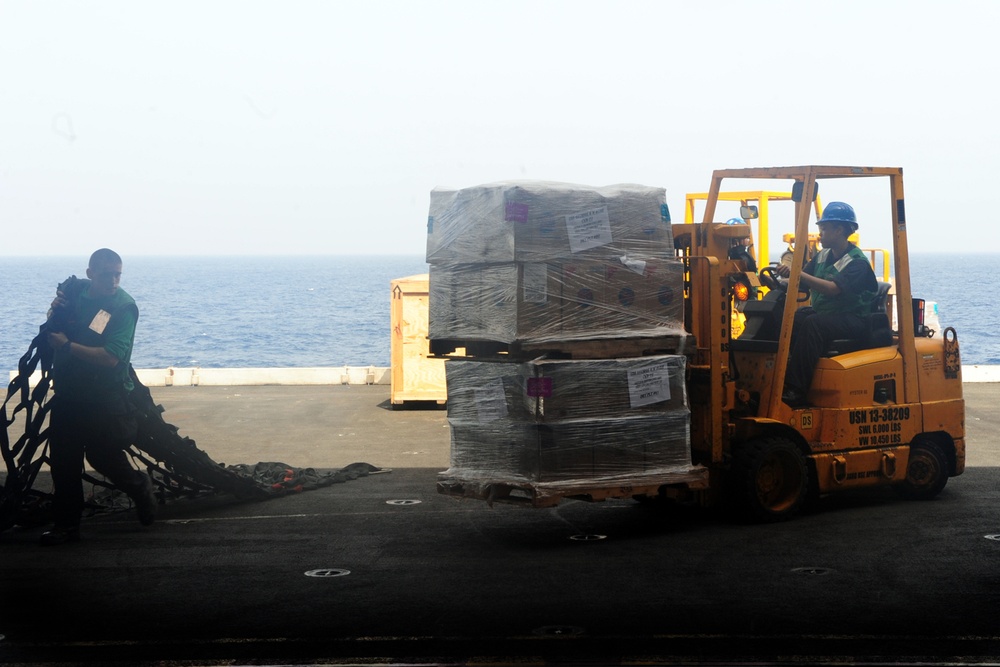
[[572, 423], [539, 221]]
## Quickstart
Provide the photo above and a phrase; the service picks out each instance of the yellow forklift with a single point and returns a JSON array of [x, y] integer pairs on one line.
[[887, 410]]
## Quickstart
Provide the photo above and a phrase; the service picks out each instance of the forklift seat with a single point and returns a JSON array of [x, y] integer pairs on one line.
[[879, 332]]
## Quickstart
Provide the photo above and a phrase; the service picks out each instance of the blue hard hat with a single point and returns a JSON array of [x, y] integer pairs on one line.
[[735, 221], [838, 211]]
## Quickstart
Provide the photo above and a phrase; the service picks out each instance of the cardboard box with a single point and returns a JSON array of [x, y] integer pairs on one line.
[[557, 301], [602, 388], [645, 294], [571, 451], [486, 392], [496, 302], [473, 302], [640, 297]]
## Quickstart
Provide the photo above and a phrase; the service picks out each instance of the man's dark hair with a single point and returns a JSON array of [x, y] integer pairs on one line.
[[104, 256]]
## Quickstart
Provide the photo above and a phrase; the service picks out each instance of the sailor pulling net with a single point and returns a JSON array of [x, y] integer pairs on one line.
[[174, 463]]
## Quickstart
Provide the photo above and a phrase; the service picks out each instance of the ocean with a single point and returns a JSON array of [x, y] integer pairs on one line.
[[228, 312], [298, 312]]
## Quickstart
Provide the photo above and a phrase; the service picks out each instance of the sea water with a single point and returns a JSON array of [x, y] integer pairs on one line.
[[962, 288], [228, 312], [298, 312]]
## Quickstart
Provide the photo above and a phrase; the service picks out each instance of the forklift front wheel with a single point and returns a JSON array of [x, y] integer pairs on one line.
[[769, 479], [926, 471]]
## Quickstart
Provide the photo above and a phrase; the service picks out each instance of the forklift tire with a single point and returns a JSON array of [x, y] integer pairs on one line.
[[769, 480], [926, 471]]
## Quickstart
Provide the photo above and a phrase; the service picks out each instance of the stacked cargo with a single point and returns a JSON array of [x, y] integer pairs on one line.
[[527, 262], [564, 427], [522, 264]]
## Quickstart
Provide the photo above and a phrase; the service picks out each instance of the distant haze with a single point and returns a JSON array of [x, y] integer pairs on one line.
[[253, 127]]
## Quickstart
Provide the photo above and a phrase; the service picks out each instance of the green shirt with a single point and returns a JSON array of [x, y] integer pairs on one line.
[[853, 275], [107, 322]]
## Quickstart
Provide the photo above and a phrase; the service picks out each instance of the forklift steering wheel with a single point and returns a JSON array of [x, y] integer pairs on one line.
[[770, 279]]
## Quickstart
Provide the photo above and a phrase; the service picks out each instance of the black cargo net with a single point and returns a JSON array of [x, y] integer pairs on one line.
[[175, 464]]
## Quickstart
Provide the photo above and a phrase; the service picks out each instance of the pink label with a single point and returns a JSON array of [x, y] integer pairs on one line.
[[540, 387], [515, 212]]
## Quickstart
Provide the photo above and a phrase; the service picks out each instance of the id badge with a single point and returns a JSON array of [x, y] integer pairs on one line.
[[100, 321]]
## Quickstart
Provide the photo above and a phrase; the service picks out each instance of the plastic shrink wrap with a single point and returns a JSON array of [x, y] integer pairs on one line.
[[540, 262], [568, 423], [556, 301], [540, 221]]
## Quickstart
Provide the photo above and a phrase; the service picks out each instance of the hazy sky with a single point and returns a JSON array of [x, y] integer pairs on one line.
[[253, 127]]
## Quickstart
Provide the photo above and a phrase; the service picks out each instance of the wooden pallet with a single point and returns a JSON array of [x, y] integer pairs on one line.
[[601, 348], [541, 494]]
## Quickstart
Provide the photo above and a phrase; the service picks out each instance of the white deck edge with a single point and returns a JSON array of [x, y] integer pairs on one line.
[[243, 377], [350, 375], [976, 373]]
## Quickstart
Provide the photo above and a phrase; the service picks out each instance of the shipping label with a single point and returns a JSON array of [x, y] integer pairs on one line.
[[588, 229], [648, 385]]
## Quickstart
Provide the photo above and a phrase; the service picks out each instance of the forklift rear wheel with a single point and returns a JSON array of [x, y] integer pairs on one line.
[[926, 471], [770, 479]]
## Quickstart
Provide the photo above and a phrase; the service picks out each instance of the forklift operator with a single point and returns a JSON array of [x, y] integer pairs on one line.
[[842, 286]]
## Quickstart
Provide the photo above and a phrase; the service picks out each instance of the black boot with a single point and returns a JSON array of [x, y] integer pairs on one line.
[[60, 535], [145, 502]]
